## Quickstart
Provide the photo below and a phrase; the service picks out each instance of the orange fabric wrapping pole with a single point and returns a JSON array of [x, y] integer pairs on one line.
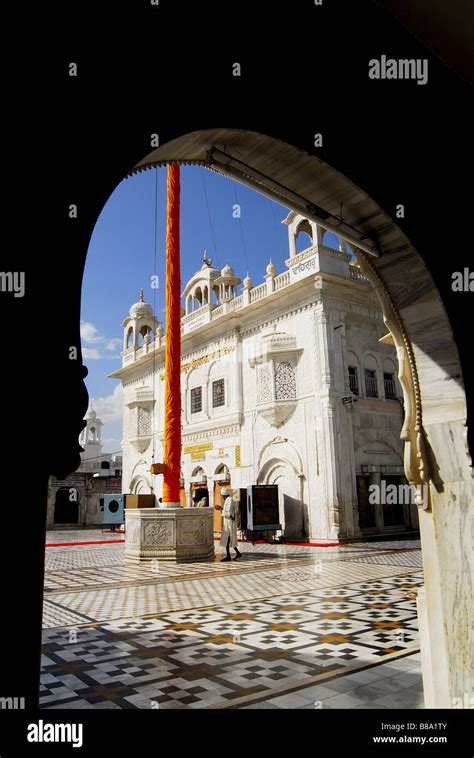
[[172, 424]]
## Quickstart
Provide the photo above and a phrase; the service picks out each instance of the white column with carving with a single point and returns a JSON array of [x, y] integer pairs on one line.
[[327, 402]]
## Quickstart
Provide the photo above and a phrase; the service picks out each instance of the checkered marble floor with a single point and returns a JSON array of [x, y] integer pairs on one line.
[[81, 534], [221, 635]]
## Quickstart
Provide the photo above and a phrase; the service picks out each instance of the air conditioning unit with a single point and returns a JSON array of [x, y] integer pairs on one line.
[[113, 512]]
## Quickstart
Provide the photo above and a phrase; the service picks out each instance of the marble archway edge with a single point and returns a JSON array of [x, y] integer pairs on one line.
[[430, 375]]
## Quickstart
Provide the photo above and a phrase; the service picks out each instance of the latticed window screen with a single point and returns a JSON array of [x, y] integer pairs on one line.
[[196, 400], [218, 393], [285, 381], [144, 422], [264, 388]]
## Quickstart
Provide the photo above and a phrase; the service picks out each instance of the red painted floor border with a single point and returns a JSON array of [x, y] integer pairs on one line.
[[257, 542], [72, 544]]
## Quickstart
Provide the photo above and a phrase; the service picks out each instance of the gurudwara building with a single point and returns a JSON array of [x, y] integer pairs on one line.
[[290, 382]]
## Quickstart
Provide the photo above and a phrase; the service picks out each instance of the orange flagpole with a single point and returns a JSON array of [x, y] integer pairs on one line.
[[172, 422]]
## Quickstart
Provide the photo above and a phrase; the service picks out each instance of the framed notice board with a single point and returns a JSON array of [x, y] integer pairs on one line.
[[262, 507]]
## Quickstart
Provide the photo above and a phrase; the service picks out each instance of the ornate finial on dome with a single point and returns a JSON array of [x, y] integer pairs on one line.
[[206, 261], [227, 270], [248, 282], [271, 268], [142, 298], [91, 413]]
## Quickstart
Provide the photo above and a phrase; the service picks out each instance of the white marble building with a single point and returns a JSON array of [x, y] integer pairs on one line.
[[289, 382]]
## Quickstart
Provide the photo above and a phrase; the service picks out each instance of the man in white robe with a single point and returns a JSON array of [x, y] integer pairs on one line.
[[230, 515]]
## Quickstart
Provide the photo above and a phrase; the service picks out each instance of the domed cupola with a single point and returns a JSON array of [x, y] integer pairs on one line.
[[199, 289], [90, 441], [91, 413], [140, 323], [141, 309], [227, 282]]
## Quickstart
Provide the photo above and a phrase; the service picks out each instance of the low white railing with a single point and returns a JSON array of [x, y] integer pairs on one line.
[[217, 312], [282, 280], [237, 303], [258, 292]]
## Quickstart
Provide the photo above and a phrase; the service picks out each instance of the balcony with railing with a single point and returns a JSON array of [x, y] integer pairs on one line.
[[353, 384], [356, 275], [371, 386]]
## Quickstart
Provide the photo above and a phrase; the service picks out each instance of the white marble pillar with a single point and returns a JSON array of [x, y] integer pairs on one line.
[[328, 398], [236, 399]]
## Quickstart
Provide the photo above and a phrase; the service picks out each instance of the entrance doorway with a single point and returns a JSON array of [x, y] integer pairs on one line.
[[366, 509], [66, 511]]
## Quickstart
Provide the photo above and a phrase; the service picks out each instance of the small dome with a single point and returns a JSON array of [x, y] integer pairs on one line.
[[91, 414], [204, 277], [141, 308], [271, 268], [248, 281], [227, 270]]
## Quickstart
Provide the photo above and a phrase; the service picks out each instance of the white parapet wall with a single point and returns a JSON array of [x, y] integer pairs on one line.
[[169, 534]]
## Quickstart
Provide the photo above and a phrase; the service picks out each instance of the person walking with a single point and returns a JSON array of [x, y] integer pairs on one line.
[[229, 513]]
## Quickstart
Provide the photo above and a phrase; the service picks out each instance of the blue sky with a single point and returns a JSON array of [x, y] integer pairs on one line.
[[120, 261]]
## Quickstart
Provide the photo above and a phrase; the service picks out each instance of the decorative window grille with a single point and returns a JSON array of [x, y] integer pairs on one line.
[[144, 422], [196, 400], [218, 393], [285, 381], [264, 386]]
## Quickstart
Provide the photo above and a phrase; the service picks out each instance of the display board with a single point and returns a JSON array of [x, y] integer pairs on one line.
[[262, 507]]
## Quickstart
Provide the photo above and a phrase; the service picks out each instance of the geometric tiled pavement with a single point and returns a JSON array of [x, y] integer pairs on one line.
[[221, 635]]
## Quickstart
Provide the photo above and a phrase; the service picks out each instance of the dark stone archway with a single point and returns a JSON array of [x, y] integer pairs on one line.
[[404, 144]]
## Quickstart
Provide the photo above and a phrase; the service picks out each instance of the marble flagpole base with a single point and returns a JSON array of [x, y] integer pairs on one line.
[[169, 534]]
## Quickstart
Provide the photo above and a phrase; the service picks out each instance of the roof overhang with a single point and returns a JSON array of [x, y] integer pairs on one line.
[[290, 176]]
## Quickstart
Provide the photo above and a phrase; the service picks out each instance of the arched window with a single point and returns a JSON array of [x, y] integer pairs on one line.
[[370, 376], [331, 240], [303, 237], [222, 473], [92, 434], [285, 381], [389, 383], [199, 475], [198, 296]]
